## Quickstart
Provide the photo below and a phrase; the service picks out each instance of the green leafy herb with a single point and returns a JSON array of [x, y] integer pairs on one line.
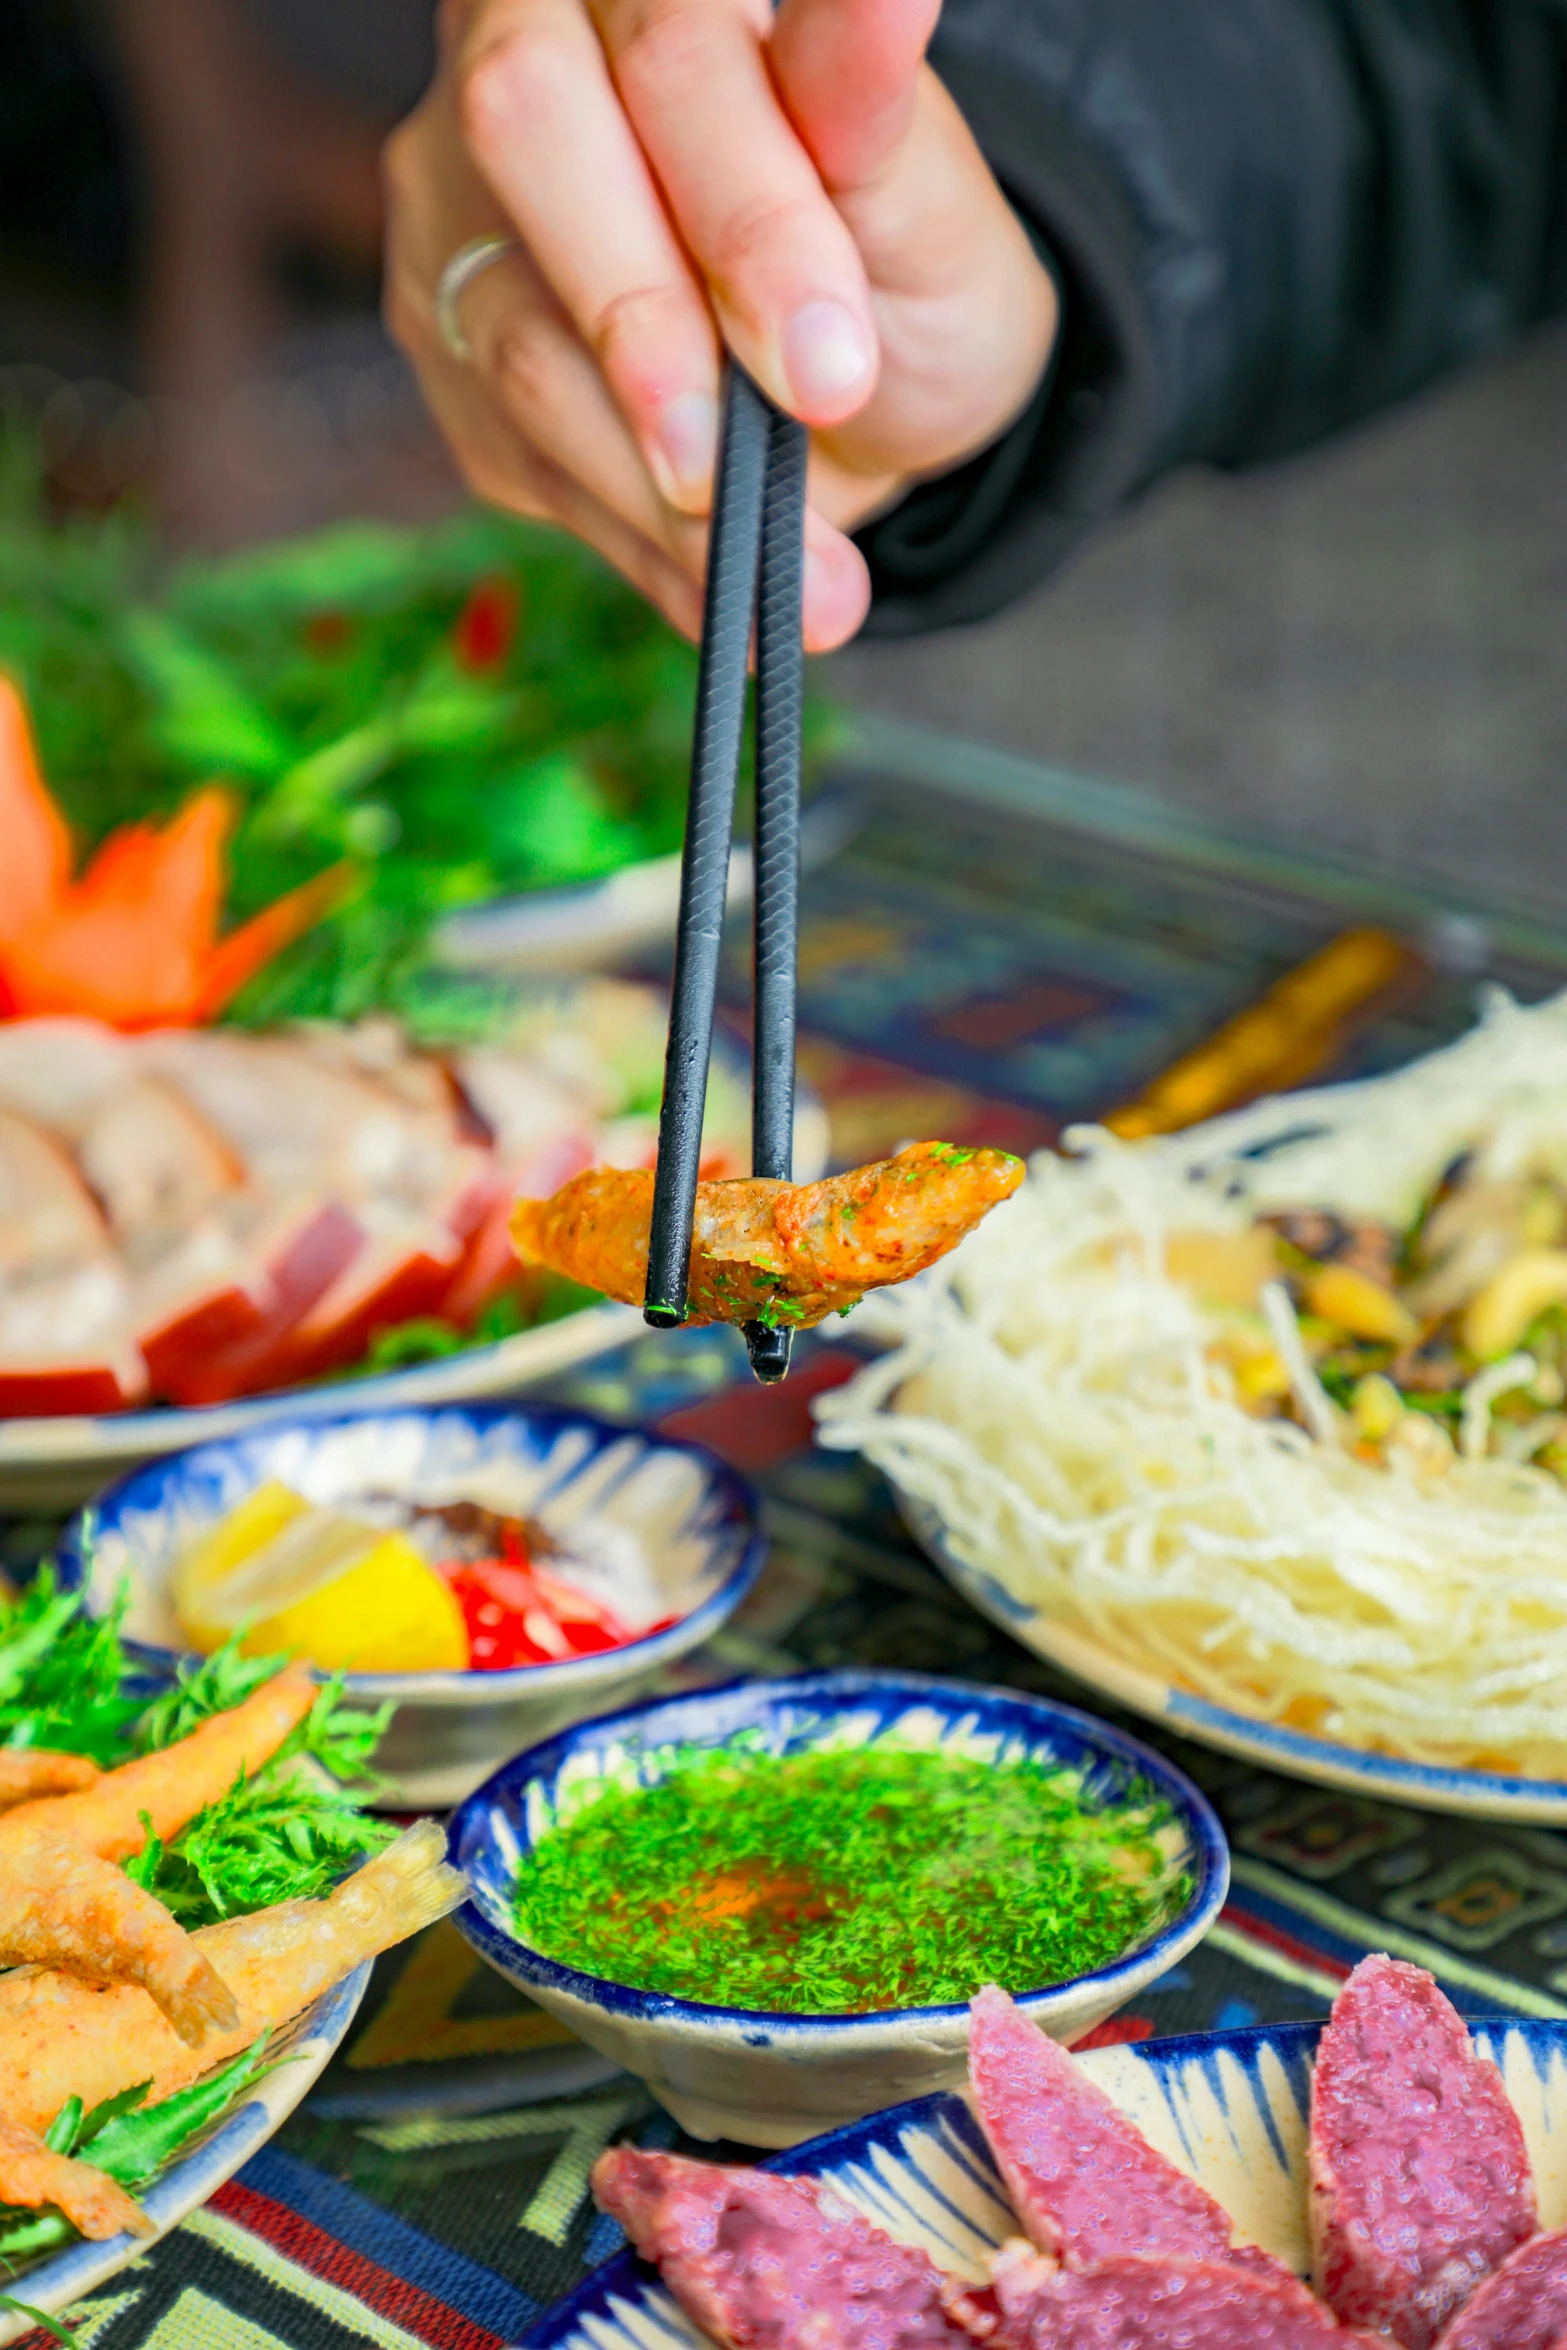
[[461, 712], [429, 1339], [134, 2141], [846, 1880], [286, 1834], [213, 1686], [40, 2317], [64, 1676]]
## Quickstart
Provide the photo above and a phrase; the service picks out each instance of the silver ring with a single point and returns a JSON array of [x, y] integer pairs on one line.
[[468, 262]]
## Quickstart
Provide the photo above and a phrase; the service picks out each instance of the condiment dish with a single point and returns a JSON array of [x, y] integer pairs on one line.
[[673, 1529], [775, 2079]]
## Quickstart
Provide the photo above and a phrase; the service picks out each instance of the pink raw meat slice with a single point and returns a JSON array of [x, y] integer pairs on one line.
[[769, 2262], [1523, 2307], [1420, 2181], [1166, 2304], [1083, 2180]]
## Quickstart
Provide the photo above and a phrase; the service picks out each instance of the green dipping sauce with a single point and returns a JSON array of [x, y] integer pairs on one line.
[[846, 1881]]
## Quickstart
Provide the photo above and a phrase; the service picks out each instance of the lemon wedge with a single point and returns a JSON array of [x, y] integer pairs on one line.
[[322, 1586], [210, 1562]]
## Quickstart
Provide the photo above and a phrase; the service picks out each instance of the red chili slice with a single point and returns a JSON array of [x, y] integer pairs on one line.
[[515, 1616]]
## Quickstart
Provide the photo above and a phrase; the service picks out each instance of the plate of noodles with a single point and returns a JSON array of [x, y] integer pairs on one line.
[[1262, 1429]]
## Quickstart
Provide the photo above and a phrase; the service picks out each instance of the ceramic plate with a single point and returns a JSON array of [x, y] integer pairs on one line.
[[1229, 2107], [1485, 1795], [306, 2048]]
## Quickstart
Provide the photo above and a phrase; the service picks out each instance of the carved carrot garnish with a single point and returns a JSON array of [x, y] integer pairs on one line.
[[133, 940]]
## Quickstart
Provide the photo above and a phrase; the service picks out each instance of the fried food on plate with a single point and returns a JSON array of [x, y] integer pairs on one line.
[[27, 1772], [772, 1252], [30, 2172], [61, 1906], [65, 1903], [63, 2038], [178, 1781]]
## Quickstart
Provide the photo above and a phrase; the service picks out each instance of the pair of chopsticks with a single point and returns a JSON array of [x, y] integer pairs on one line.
[[755, 573]]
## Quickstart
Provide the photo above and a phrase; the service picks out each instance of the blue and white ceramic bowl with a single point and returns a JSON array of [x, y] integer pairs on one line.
[[301, 2053], [670, 1530], [1229, 2107], [771, 2080]]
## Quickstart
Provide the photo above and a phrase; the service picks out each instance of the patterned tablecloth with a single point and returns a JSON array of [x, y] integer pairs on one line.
[[969, 974]]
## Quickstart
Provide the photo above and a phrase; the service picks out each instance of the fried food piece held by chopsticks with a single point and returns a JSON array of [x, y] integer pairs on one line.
[[769, 1252], [61, 1906], [30, 1772], [31, 2173], [62, 2038], [178, 1781]]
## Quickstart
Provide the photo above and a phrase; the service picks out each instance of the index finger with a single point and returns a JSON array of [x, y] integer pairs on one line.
[[544, 124], [780, 266]]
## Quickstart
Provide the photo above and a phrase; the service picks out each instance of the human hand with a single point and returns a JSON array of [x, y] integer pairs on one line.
[[685, 174]]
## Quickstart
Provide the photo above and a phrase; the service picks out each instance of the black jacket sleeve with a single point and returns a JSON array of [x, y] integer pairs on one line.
[[1267, 218]]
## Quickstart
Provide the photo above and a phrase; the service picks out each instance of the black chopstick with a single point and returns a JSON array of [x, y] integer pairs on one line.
[[755, 568], [704, 869], [780, 697]]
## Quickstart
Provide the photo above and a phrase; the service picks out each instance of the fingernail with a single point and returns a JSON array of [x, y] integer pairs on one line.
[[827, 354], [688, 443]]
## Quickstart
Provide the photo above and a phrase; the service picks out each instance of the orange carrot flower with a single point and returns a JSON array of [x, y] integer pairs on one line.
[[133, 941]]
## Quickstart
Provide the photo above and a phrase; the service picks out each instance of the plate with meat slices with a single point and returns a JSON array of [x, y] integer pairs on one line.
[[200, 1227], [1396, 2174]]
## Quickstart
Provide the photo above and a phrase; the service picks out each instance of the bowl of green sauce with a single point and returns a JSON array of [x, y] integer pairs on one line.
[[774, 1901]]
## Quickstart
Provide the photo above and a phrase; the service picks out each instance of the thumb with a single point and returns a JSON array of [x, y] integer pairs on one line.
[[847, 72]]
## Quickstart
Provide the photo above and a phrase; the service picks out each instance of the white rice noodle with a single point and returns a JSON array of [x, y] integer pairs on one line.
[[1050, 1397]]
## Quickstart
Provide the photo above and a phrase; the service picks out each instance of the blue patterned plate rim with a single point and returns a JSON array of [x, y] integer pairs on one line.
[[65, 2277], [624, 2276], [141, 1488], [1296, 1750], [471, 1834]]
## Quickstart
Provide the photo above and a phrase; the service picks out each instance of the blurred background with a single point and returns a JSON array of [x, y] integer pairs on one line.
[[1364, 649]]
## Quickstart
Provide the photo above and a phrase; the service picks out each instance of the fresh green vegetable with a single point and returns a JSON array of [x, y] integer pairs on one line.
[[430, 1339], [845, 1880], [64, 1676], [460, 713], [288, 1833]]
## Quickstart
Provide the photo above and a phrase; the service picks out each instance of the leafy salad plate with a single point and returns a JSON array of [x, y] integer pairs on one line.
[[1230, 2108]]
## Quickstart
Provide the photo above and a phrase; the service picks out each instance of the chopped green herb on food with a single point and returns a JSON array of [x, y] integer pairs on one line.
[[846, 1881]]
